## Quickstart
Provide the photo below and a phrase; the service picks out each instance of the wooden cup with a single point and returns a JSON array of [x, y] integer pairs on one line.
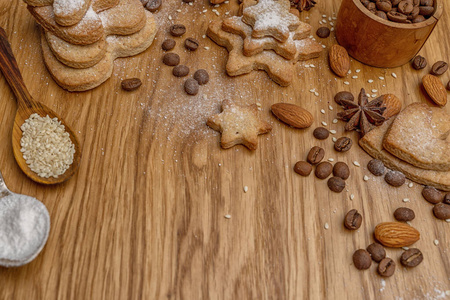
[[377, 42]]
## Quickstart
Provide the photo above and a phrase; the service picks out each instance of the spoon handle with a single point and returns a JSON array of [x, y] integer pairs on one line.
[[3, 189], [10, 70]]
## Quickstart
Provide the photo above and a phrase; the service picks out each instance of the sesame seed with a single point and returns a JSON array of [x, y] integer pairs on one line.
[[322, 111], [346, 83], [326, 226], [381, 78], [245, 189], [334, 139], [335, 121], [436, 242], [227, 216], [332, 131], [356, 163], [373, 95], [206, 48], [405, 200], [352, 197], [355, 77], [331, 159], [332, 29], [366, 178], [330, 107], [394, 75], [324, 123], [370, 80], [410, 184], [316, 94], [374, 91], [357, 70], [405, 248]]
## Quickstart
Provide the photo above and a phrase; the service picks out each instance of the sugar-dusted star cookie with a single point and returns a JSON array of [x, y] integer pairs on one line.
[[271, 18], [239, 125]]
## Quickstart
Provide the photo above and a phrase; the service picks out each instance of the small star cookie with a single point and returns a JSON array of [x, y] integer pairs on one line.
[[271, 18], [239, 125]]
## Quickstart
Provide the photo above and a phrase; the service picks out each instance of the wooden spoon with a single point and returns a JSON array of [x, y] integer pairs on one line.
[[26, 107]]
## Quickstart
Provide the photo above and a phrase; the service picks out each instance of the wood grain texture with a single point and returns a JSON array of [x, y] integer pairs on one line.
[[143, 218]]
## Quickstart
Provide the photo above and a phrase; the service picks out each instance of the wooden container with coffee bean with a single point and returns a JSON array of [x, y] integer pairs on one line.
[[379, 35]]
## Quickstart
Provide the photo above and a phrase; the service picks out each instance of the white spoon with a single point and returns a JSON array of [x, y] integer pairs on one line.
[[24, 227]]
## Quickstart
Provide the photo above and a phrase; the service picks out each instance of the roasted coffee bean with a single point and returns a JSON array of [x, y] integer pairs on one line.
[[353, 220], [177, 29], [426, 2], [171, 59], [419, 62], [303, 168], [144, 2], [386, 268], [381, 14], [405, 7], [361, 259], [131, 84], [168, 44], [415, 12], [343, 96], [372, 7], [180, 71], [315, 155], [191, 86], [365, 2], [384, 5], [376, 167], [323, 32], [418, 19], [341, 169], [153, 5], [191, 44], [439, 68], [404, 214], [395, 178], [397, 17], [432, 195], [321, 133], [201, 76], [447, 198], [426, 11], [411, 258], [416, 3], [395, 2], [376, 251], [448, 86], [442, 211], [343, 144], [336, 184], [323, 170]]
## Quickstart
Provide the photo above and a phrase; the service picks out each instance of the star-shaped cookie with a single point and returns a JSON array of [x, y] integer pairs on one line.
[[239, 125], [271, 18]]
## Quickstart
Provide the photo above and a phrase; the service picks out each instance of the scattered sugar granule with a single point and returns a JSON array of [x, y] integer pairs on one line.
[[366, 178], [227, 216], [326, 226], [324, 123], [405, 200], [436, 242], [245, 189], [356, 163]]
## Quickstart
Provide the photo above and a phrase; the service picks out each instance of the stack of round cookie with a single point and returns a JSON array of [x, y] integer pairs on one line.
[[82, 38], [266, 37]]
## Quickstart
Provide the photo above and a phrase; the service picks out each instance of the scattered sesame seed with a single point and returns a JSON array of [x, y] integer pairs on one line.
[[447, 292], [370, 80], [331, 159], [204, 36], [245, 189], [334, 139], [374, 91], [206, 48], [326, 226], [226, 216], [312, 90], [316, 94], [324, 123], [368, 95], [324, 21], [406, 200], [220, 164], [217, 5], [352, 197], [335, 121], [394, 75], [355, 77], [332, 131], [410, 184], [330, 107], [324, 16], [205, 10], [373, 95], [357, 70], [323, 46], [169, 17], [332, 29], [346, 83], [258, 104], [320, 22], [381, 78], [312, 66], [366, 178], [179, 10], [405, 248], [322, 111], [331, 24], [436, 242], [356, 163]]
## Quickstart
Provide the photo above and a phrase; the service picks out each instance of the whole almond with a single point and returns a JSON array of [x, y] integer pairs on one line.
[[393, 105], [339, 60], [292, 115], [396, 235], [435, 89]]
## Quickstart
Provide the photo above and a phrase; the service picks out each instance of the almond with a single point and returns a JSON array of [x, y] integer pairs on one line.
[[435, 89], [395, 234], [292, 115], [393, 105], [339, 60]]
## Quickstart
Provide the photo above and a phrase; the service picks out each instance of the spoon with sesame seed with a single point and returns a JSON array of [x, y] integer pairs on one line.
[[27, 107]]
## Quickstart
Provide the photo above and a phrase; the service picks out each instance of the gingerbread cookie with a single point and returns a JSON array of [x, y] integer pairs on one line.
[[239, 125], [254, 46], [271, 18]]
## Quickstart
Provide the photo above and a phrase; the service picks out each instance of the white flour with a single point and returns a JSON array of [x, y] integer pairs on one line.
[[24, 227]]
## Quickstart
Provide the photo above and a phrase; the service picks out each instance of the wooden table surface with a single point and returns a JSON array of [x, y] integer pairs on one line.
[[144, 216]]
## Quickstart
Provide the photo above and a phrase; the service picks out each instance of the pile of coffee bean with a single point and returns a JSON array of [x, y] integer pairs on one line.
[[394, 178], [401, 11], [440, 200], [201, 76], [323, 170]]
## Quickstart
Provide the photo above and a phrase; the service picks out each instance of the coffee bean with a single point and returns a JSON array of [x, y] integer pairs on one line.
[[376, 251], [191, 44], [418, 19], [426, 11], [448, 86], [376, 167], [386, 268], [405, 7], [321, 133], [343, 144], [439, 68], [411, 258], [365, 2], [395, 178], [442, 211], [177, 29], [372, 7], [381, 14], [432, 195], [171, 59], [336, 184], [426, 2], [168, 44], [303, 168], [180, 71], [419, 62], [343, 96], [201, 76], [414, 13], [315, 155], [361, 259], [191, 86], [323, 32], [384, 5], [341, 169], [395, 2], [144, 2], [447, 198], [397, 17], [323, 170], [131, 84], [404, 214], [153, 5], [353, 220]]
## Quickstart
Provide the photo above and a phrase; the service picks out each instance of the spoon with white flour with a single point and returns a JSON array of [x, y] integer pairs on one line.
[[24, 227]]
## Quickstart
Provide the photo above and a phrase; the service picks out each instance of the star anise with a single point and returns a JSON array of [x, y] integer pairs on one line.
[[363, 114], [302, 5]]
